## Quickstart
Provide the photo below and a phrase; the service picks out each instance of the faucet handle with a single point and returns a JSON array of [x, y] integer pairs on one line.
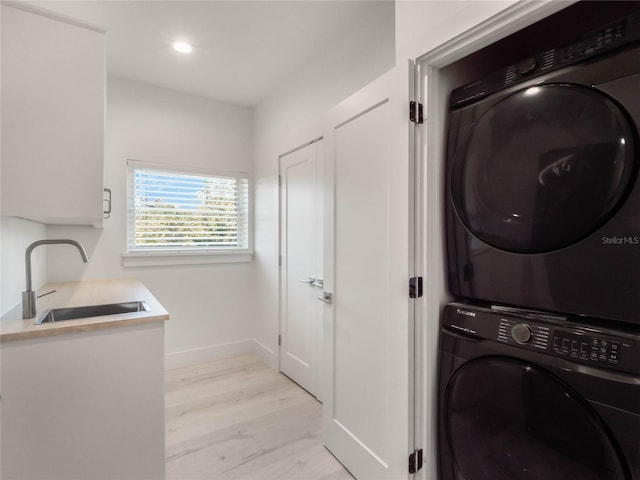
[[28, 304]]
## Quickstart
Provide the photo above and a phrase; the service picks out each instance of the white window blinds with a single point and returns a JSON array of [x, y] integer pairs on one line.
[[173, 210]]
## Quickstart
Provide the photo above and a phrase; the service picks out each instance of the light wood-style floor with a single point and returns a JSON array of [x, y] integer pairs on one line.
[[238, 419]]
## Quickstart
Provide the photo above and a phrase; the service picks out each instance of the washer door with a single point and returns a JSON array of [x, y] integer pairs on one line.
[[544, 168], [508, 420]]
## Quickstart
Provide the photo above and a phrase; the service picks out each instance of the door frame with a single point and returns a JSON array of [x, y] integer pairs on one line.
[[429, 145], [281, 227]]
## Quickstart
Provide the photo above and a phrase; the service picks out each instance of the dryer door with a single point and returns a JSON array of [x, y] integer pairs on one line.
[[509, 420], [543, 168]]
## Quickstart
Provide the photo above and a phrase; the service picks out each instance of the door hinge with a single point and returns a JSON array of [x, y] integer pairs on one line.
[[279, 340], [415, 287], [416, 114], [415, 461]]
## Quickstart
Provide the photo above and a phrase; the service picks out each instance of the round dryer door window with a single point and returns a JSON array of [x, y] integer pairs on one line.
[[508, 420], [544, 168]]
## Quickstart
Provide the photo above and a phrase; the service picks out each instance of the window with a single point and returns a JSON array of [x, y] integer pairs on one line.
[[182, 212]]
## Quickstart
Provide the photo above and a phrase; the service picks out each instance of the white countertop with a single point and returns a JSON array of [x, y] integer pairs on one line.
[[80, 294]]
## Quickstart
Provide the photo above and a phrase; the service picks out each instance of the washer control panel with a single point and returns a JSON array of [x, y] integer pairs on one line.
[[587, 347], [513, 331], [595, 344], [556, 341]]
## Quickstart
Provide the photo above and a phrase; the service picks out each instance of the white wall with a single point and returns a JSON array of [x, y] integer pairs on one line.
[[423, 25], [292, 116], [15, 236], [208, 303]]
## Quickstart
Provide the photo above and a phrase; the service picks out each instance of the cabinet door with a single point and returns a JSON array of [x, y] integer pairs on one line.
[[73, 408], [53, 94]]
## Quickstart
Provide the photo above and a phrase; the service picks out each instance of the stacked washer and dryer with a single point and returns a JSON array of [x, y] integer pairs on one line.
[[540, 353]]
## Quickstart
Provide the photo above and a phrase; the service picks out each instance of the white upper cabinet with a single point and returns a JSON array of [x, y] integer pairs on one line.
[[53, 115]]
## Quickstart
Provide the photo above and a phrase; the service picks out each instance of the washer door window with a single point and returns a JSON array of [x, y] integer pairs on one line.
[[543, 168], [508, 420]]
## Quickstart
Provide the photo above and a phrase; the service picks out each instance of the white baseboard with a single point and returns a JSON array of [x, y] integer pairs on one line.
[[224, 350], [267, 355], [208, 354]]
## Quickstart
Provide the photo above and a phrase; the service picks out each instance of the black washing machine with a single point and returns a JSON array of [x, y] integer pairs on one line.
[[543, 197], [530, 397]]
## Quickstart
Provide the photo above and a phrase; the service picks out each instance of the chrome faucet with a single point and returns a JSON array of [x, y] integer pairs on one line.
[[29, 297]]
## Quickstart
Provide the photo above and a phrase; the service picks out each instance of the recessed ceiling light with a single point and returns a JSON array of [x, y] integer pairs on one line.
[[182, 47]]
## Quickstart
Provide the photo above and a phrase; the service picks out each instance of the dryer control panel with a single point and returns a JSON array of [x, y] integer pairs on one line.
[[588, 348], [562, 337], [605, 39]]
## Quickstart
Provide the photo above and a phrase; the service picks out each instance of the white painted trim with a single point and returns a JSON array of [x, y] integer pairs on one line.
[[54, 16], [300, 147], [180, 169], [267, 355], [209, 353], [502, 24], [432, 147], [159, 259]]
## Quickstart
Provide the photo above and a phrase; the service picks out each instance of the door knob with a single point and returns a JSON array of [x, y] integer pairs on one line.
[[311, 281], [326, 297], [318, 282]]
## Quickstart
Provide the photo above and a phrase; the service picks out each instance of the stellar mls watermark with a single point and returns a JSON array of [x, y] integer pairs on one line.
[[620, 240]]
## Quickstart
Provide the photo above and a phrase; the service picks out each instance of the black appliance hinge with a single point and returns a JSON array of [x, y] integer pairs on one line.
[[416, 114], [415, 287], [415, 461]]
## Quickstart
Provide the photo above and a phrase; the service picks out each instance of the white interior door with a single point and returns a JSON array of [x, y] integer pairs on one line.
[[301, 268], [368, 405]]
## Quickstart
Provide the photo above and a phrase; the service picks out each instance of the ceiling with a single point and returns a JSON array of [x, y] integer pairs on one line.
[[242, 50]]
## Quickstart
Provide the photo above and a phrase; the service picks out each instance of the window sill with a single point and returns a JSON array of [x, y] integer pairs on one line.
[[159, 259]]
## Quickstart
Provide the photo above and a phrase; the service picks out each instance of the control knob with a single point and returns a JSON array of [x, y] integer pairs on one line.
[[526, 66], [521, 333]]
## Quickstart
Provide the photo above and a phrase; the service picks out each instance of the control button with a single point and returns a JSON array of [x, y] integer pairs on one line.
[[584, 354], [526, 66], [574, 348], [521, 333]]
